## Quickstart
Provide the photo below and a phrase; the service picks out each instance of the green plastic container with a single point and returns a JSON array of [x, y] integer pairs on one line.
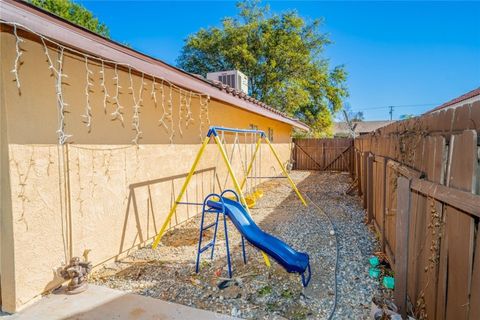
[[389, 282], [374, 272], [374, 261]]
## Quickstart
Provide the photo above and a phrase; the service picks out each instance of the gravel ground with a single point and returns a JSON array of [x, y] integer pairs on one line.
[[258, 292]]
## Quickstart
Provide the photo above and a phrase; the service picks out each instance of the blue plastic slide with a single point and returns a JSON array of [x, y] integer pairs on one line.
[[286, 256]]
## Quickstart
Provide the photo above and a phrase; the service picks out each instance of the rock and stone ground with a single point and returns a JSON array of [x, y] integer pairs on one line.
[[258, 292]]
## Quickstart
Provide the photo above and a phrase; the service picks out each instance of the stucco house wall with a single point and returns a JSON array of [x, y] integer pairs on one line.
[[99, 192]]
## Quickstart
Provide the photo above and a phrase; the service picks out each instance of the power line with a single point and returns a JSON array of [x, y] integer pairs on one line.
[[397, 106]]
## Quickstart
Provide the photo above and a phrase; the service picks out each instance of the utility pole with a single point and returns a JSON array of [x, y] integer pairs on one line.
[[391, 113]]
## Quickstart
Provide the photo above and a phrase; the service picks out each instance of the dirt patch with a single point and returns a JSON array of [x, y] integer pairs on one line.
[[185, 237]]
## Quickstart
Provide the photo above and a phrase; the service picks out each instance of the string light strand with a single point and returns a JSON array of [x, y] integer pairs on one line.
[[170, 114], [61, 104], [164, 114], [136, 106], [104, 87], [181, 107], [117, 113], [188, 105], [88, 108], [19, 53]]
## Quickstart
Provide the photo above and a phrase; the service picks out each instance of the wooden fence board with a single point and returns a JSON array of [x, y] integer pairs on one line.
[[390, 206], [401, 259], [417, 246], [475, 116], [460, 226], [434, 150], [365, 179], [358, 171], [412, 245], [475, 287], [379, 194], [370, 186]]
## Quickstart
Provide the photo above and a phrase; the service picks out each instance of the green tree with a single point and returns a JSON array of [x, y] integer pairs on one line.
[[282, 55], [75, 13]]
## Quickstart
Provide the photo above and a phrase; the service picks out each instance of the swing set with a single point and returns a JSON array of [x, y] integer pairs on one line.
[[247, 198]]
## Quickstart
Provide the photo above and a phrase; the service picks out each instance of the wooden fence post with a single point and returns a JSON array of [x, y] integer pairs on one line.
[[401, 243]]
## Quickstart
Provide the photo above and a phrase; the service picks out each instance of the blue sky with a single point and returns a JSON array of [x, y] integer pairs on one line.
[[413, 55]]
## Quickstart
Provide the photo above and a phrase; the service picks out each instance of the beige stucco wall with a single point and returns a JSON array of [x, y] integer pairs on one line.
[[100, 192]]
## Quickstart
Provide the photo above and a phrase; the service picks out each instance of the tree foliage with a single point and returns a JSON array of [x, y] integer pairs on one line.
[[282, 54], [75, 13], [350, 115]]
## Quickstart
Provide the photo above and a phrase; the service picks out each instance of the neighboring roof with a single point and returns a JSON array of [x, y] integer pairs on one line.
[[468, 97], [361, 126], [72, 35]]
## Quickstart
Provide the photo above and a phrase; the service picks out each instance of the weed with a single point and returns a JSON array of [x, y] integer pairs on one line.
[[264, 291], [272, 306], [287, 294]]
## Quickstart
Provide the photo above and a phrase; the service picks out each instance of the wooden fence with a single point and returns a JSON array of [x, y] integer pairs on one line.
[[419, 180], [323, 154]]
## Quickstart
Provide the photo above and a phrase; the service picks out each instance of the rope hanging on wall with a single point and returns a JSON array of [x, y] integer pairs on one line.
[[185, 96]]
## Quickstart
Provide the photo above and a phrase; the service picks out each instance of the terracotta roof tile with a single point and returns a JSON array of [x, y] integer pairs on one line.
[[244, 96], [463, 97]]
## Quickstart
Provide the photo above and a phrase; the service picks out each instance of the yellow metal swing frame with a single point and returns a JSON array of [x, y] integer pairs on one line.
[[213, 132]]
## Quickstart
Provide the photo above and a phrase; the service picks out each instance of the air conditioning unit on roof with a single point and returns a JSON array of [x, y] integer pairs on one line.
[[232, 78]]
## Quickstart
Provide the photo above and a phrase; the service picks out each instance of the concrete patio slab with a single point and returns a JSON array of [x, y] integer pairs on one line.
[[103, 303]]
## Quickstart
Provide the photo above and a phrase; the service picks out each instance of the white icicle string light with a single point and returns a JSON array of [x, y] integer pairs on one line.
[[136, 106], [62, 136], [19, 53], [164, 114], [88, 108], [181, 106], [57, 73], [117, 113], [104, 87], [153, 93], [203, 114], [188, 105], [170, 114], [205, 106]]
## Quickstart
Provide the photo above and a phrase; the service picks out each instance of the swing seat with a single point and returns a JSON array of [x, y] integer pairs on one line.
[[258, 194], [250, 200]]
